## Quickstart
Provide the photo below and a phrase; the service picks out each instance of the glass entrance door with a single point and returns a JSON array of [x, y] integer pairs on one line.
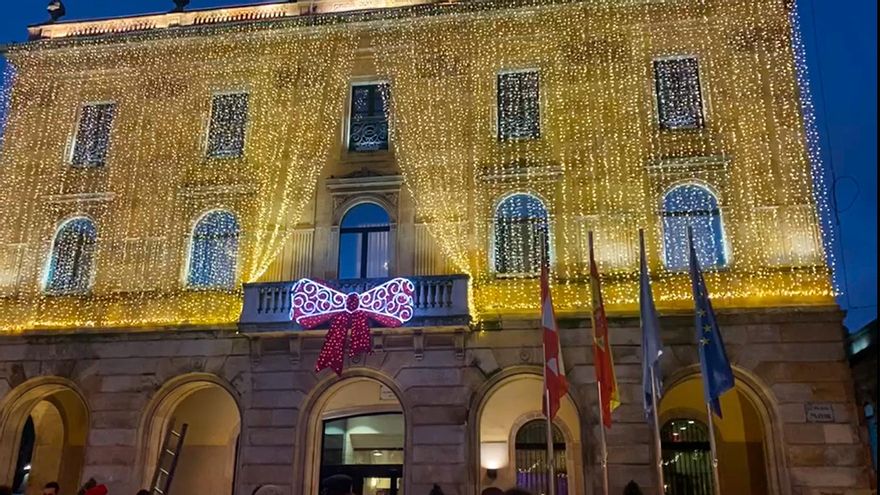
[[367, 448], [370, 480]]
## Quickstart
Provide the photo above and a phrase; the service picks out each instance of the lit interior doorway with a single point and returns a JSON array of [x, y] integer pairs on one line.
[[211, 442], [361, 433], [513, 438], [43, 433], [368, 448], [741, 438]]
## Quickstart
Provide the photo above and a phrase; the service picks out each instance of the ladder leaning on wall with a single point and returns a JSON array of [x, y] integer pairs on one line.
[[168, 457]]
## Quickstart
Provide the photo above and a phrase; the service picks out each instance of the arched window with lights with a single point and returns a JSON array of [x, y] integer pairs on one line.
[[72, 257], [687, 468], [364, 240], [213, 256], [521, 236], [694, 206], [531, 458]]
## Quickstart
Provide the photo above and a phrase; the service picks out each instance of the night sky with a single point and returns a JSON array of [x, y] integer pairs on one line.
[[842, 54]]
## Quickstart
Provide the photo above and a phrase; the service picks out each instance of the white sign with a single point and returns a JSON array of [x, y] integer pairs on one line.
[[385, 393], [819, 413]]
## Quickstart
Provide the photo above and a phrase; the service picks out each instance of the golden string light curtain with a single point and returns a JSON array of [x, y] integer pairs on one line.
[[729, 159], [518, 127], [177, 154]]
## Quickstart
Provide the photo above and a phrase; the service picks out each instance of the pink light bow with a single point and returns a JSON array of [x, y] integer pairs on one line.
[[313, 303]]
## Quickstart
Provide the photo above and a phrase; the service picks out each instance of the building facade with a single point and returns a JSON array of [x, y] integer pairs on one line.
[[168, 178]]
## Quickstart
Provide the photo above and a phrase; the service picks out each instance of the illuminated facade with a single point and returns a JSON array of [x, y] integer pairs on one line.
[[168, 178]]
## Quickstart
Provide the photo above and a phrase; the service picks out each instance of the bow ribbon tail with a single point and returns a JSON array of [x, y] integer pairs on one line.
[[333, 351], [361, 340]]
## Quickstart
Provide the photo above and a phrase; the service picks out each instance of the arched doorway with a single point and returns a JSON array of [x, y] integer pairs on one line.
[[213, 421], [510, 452], [43, 431], [357, 428], [744, 445]]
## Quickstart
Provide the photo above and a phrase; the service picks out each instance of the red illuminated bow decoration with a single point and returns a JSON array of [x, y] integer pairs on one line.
[[313, 303]]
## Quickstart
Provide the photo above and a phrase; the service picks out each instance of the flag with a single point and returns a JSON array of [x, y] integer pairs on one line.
[[602, 357], [652, 345], [555, 384], [717, 375]]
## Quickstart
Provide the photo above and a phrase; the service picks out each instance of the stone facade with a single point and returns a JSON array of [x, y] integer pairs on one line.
[[784, 359], [140, 351]]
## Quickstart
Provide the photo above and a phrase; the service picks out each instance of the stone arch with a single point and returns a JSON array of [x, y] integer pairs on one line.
[[60, 416], [568, 420], [756, 399], [307, 460], [212, 439], [353, 200]]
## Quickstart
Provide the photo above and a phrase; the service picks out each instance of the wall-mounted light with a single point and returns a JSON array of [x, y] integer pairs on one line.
[[493, 456]]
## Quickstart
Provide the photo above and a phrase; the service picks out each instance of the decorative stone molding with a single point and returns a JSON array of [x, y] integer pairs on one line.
[[364, 185]]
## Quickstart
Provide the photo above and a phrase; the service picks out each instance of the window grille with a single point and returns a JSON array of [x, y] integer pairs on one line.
[[368, 123]]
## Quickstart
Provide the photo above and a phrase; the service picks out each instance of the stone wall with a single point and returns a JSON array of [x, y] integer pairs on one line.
[[785, 358]]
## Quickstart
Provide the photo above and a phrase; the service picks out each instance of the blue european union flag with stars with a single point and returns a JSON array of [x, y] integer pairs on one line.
[[717, 375]]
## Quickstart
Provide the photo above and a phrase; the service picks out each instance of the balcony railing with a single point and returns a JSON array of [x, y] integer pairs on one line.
[[438, 301]]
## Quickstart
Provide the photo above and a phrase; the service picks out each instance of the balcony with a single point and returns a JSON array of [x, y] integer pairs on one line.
[[438, 301]]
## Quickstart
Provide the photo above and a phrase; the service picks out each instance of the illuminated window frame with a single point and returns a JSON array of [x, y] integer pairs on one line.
[[45, 283], [701, 86], [497, 108], [349, 100], [75, 135], [187, 267], [206, 145], [493, 237], [725, 242]]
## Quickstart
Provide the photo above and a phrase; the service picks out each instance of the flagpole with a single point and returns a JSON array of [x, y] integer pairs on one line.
[[551, 457], [604, 453], [716, 482], [658, 449]]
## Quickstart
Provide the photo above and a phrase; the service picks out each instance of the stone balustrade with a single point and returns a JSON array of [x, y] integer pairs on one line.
[[438, 301]]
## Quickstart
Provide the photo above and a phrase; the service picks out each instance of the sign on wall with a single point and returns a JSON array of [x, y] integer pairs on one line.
[[819, 413]]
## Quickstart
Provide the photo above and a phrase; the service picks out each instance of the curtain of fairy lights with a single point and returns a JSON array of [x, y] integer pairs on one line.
[[240, 123], [519, 127], [659, 116]]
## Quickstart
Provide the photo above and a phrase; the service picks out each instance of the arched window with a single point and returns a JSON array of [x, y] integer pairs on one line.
[[687, 468], [364, 242], [213, 255], [694, 206], [531, 458], [73, 254], [521, 235]]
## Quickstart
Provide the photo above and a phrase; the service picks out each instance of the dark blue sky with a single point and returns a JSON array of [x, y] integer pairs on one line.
[[842, 53]]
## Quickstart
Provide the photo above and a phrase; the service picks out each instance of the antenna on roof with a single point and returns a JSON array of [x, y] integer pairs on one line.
[[179, 5], [56, 10]]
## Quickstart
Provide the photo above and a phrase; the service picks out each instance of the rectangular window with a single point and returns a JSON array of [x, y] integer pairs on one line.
[[679, 100], [519, 115], [229, 113], [93, 134], [368, 125]]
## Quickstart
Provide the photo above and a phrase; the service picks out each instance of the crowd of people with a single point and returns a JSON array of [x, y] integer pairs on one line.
[[338, 484], [91, 487]]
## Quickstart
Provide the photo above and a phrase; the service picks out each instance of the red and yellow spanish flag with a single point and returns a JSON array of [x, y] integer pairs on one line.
[[555, 384], [602, 356]]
